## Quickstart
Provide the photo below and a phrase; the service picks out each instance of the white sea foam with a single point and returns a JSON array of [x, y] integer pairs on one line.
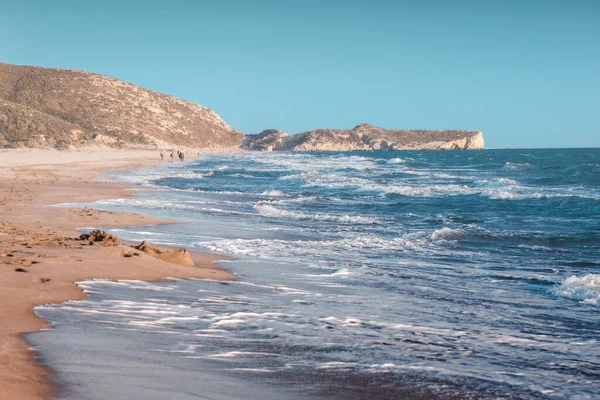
[[508, 181], [232, 354], [275, 248], [585, 289], [258, 370], [330, 285], [357, 219], [273, 193], [337, 365], [147, 177], [429, 190], [509, 189], [344, 272], [298, 199], [228, 323], [423, 187], [133, 284], [515, 165], [523, 193], [396, 160], [268, 210], [448, 234], [329, 319], [411, 328]]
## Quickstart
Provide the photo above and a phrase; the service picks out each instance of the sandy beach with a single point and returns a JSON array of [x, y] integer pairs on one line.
[[41, 257]]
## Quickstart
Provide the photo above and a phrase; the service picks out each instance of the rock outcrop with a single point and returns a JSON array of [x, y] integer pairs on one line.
[[365, 137], [47, 107], [100, 237], [267, 140], [181, 256]]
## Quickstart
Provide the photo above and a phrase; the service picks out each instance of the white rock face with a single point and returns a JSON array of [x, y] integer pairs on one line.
[[364, 137]]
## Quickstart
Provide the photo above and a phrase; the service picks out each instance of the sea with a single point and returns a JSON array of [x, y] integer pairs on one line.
[[359, 275]]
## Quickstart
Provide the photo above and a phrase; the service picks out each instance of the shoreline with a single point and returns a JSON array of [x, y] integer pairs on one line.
[[40, 261]]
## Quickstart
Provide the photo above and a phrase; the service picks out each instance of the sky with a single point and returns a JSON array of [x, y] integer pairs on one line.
[[526, 73]]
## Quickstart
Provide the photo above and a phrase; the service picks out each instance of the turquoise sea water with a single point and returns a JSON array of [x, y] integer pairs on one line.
[[360, 275]]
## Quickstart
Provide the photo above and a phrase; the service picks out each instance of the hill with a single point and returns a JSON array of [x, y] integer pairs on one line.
[[47, 107]]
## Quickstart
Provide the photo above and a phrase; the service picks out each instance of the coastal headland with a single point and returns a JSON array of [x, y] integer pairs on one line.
[[42, 255], [68, 109]]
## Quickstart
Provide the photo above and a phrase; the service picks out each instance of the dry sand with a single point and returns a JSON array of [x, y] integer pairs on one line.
[[40, 259]]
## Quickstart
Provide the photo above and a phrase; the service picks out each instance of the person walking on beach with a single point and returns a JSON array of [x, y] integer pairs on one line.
[[172, 155], [181, 155], [162, 156]]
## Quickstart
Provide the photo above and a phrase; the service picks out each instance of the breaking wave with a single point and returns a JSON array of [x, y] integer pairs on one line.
[[585, 289], [274, 212], [448, 234]]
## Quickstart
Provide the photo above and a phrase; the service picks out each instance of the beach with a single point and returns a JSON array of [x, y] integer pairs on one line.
[[401, 274], [40, 258]]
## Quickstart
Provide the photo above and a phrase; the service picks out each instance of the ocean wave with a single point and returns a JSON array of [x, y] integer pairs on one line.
[[232, 354], [508, 181], [396, 160], [153, 178], [585, 289], [191, 206], [516, 165], [273, 193], [275, 248], [509, 189], [300, 199], [132, 284], [344, 272], [523, 194], [267, 210], [428, 190], [422, 187]]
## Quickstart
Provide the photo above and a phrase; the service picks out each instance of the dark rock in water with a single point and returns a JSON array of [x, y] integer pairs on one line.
[[102, 237]]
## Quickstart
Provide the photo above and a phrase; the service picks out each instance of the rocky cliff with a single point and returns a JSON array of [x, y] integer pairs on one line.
[[364, 137], [46, 107]]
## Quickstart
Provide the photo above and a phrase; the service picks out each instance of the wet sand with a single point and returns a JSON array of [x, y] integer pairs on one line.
[[41, 259]]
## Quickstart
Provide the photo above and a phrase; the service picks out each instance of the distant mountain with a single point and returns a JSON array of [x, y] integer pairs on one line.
[[364, 137], [47, 107]]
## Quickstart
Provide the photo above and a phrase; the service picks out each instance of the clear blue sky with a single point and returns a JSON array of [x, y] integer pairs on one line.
[[526, 73]]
